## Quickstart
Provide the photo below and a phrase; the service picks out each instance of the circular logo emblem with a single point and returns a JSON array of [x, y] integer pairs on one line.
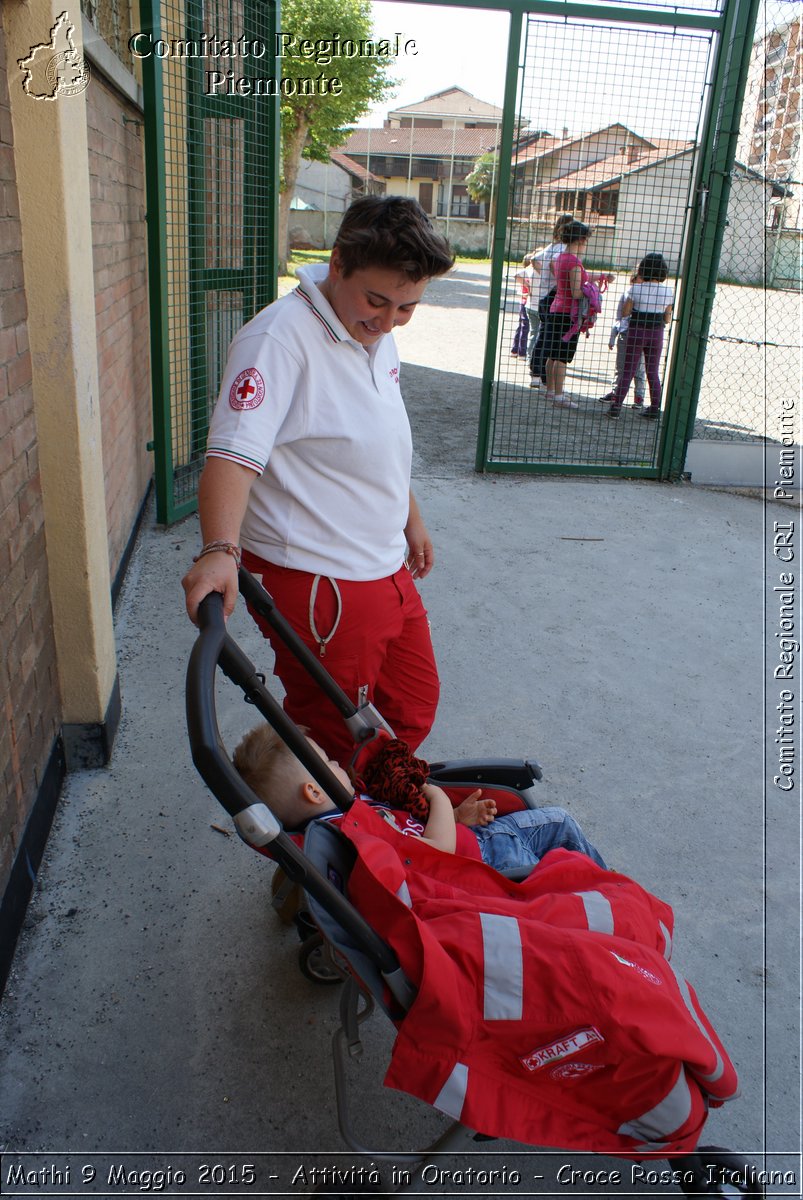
[[68, 74], [247, 391], [573, 1070]]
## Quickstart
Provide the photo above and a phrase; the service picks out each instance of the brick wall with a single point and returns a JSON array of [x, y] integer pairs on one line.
[[29, 692], [117, 188]]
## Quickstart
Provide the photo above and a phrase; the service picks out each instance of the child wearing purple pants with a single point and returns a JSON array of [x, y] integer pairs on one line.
[[650, 310]]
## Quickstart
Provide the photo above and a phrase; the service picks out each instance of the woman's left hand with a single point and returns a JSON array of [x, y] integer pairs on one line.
[[420, 552], [420, 555]]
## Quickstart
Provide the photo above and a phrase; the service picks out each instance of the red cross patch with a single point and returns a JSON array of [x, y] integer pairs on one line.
[[247, 391]]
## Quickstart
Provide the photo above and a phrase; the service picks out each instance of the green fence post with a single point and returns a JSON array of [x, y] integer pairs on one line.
[[500, 236], [157, 258], [265, 192]]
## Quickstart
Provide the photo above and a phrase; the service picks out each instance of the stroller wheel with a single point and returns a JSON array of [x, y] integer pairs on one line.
[[316, 961], [718, 1172]]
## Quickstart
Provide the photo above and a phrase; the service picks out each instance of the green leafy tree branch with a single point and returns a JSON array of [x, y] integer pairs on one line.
[[311, 125]]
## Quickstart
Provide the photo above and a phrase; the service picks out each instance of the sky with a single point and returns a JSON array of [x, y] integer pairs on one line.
[[465, 47], [609, 79]]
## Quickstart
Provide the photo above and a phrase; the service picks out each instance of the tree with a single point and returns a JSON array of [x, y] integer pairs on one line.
[[482, 184], [313, 124]]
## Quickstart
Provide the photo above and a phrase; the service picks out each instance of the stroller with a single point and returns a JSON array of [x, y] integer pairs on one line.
[[339, 945]]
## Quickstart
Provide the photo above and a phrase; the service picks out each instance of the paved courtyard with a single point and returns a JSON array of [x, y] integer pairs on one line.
[[742, 383]]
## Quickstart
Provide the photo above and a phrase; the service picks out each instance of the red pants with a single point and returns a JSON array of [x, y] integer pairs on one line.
[[382, 640]]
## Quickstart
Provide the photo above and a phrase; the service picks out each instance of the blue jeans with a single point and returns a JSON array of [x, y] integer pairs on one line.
[[535, 321], [521, 839], [520, 337]]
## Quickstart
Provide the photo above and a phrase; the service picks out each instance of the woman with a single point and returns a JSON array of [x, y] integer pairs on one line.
[[308, 469], [570, 275], [540, 299]]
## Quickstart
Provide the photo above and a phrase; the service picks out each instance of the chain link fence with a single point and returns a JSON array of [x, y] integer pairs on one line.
[[212, 180], [753, 361], [640, 164]]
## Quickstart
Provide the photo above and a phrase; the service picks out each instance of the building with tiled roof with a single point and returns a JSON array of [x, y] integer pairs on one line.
[[331, 187], [447, 108], [426, 150], [590, 190], [355, 169]]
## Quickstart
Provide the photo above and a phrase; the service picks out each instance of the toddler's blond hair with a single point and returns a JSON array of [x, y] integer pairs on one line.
[[273, 773]]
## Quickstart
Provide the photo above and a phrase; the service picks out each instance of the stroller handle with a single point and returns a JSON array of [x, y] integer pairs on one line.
[[214, 649], [208, 755], [254, 821], [262, 602]]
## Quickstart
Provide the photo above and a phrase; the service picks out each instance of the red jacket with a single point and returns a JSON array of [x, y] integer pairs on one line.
[[547, 1011]]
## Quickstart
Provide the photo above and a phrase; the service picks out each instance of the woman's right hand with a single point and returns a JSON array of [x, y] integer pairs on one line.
[[216, 572], [223, 491]]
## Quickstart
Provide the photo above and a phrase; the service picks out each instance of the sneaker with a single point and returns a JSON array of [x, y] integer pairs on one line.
[[639, 400], [535, 382], [614, 412], [564, 402], [651, 412], [608, 398]]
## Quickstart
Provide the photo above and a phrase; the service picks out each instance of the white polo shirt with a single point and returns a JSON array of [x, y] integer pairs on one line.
[[321, 419], [651, 297]]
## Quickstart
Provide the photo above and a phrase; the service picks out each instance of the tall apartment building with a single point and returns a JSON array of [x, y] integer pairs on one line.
[[769, 141]]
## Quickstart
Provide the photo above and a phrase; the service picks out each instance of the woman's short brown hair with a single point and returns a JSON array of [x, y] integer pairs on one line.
[[392, 232]]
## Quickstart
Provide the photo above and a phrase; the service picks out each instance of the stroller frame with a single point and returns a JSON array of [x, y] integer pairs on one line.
[[372, 970]]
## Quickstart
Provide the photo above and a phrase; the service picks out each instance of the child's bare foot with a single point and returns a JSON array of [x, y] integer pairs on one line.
[[474, 810]]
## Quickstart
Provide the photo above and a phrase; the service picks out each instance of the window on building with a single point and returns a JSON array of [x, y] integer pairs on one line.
[[605, 203], [112, 20]]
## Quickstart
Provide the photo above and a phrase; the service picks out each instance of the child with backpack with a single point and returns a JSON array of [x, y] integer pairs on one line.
[[650, 310], [542, 293]]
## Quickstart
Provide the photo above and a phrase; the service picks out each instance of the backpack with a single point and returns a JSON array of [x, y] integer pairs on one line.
[[586, 310]]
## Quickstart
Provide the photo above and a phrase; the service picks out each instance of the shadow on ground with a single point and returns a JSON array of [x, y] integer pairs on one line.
[[444, 411]]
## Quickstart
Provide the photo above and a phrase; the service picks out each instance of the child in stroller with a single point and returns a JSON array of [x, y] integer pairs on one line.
[[510, 842]]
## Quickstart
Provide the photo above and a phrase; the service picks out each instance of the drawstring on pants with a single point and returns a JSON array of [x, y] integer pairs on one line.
[[324, 641]]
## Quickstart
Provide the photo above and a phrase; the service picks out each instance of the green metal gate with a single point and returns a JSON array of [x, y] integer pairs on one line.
[[627, 118], [212, 193]]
